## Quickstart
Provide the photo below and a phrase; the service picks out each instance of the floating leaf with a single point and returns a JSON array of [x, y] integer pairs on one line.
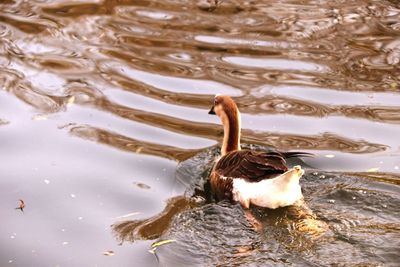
[[373, 170], [155, 245], [108, 253]]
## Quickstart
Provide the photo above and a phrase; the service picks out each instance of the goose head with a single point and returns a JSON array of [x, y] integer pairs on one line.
[[226, 109], [223, 105]]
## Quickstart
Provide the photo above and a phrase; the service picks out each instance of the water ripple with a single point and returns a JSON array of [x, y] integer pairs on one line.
[[92, 90]]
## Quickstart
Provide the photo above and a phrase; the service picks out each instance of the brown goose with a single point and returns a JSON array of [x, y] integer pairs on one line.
[[251, 177]]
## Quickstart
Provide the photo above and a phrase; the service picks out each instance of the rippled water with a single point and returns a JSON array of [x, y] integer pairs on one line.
[[100, 100]]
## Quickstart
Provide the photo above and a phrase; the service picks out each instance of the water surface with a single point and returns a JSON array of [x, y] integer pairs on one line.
[[100, 101]]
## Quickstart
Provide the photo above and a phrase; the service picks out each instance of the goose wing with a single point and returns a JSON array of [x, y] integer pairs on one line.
[[253, 165]]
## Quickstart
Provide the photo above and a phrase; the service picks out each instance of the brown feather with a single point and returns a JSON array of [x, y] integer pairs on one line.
[[252, 166]]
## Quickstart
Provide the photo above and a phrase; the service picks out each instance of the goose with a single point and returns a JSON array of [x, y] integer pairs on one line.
[[247, 176]]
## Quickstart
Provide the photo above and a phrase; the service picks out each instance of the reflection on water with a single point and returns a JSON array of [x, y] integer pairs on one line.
[[98, 95]]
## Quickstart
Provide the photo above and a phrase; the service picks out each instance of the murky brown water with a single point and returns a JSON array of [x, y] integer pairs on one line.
[[100, 100]]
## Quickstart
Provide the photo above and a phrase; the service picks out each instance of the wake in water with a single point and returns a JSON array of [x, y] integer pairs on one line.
[[339, 211]]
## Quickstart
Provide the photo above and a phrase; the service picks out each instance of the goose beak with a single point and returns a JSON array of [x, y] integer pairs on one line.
[[212, 112]]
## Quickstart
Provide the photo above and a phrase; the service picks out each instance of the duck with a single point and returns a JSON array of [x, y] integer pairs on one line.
[[251, 177]]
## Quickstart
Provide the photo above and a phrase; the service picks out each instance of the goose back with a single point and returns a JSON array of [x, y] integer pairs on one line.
[[252, 166]]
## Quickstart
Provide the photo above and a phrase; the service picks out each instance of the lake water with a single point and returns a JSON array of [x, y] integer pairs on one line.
[[100, 101]]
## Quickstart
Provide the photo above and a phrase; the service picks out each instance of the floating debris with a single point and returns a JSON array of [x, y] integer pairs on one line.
[[329, 156], [127, 215], [108, 253], [155, 245], [373, 169], [332, 201], [21, 205], [142, 185]]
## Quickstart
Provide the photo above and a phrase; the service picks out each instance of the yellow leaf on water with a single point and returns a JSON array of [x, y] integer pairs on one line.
[[373, 170], [155, 245], [162, 242]]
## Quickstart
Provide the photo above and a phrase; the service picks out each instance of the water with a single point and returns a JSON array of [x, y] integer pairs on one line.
[[100, 101]]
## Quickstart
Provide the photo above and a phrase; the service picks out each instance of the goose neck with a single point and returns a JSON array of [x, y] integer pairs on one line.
[[231, 123]]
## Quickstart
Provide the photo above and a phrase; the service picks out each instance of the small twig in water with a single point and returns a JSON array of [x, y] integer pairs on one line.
[[21, 205]]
